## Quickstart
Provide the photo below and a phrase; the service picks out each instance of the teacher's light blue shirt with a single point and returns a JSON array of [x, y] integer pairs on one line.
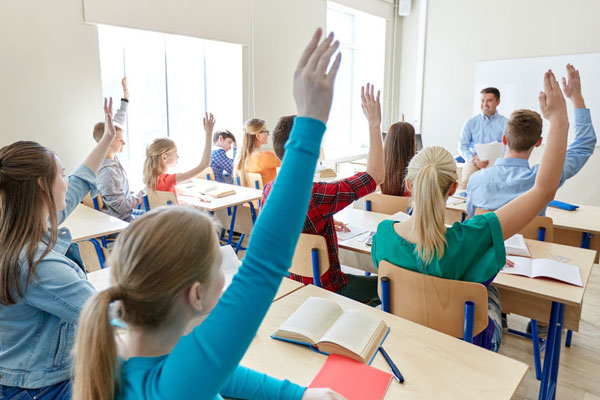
[[481, 129], [493, 187]]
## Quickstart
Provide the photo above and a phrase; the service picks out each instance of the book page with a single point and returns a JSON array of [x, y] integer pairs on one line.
[[516, 245], [312, 319], [489, 151], [557, 270], [353, 330], [522, 266]]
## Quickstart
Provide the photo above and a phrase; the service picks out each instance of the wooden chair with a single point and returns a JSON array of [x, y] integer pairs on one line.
[[386, 204], [157, 198], [541, 228], [207, 173], [255, 180], [92, 254], [310, 257], [95, 203], [455, 308]]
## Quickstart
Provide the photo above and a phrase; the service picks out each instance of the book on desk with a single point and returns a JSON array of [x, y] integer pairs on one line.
[[325, 327], [544, 268]]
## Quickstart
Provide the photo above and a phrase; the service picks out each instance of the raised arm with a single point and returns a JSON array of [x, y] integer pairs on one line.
[[98, 154], [372, 109], [209, 123], [515, 215]]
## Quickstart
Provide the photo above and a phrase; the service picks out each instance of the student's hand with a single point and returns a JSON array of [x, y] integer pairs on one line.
[[321, 394], [370, 105], [552, 101], [509, 262], [572, 87], [208, 122], [313, 85], [125, 91], [340, 226], [109, 129], [482, 164]]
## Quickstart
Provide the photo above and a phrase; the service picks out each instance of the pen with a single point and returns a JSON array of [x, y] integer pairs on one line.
[[395, 369]]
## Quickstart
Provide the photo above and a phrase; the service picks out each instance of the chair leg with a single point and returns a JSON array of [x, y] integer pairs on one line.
[[316, 268], [569, 337], [385, 294], [468, 322], [536, 349]]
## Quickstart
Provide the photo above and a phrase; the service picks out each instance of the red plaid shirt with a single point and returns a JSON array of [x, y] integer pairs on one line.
[[326, 200]]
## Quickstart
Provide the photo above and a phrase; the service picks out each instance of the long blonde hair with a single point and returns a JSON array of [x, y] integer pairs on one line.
[[154, 260], [431, 173], [154, 165], [252, 127]]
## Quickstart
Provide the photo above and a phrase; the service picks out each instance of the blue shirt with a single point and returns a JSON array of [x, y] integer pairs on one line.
[[480, 129], [204, 364], [221, 164], [493, 187]]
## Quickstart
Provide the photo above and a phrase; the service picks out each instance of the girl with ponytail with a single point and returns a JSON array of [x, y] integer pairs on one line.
[[251, 158], [166, 272], [473, 250]]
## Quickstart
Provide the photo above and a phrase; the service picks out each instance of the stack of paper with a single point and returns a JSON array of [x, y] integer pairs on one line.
[[489, 151]]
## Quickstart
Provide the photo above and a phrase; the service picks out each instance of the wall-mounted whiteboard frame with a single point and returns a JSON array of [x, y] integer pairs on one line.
[[521, 80]]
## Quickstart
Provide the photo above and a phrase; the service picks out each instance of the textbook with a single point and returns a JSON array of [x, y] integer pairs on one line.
[[352, 379], [220, 192], [544, 268], [325, 327], [324, 172], [516, 246]]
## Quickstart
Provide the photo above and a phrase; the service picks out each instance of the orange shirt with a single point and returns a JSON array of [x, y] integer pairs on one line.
[[166, 183], [265, 163]]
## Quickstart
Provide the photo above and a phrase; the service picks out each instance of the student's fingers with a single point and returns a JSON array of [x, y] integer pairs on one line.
[[564, 84], [362, 95], [510, 263], [378, 95], [554, 82], [547, 84], [318, 53], [334, 67], [110, 102], [105, 106], [312, 45], [326, 57], [543, 104]]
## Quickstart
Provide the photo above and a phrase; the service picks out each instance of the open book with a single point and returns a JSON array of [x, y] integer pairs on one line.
[[543, 267], [516, 246], [323, 325], [220, 192]]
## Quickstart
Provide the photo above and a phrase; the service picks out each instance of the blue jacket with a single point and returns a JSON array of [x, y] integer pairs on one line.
[[37, 333]]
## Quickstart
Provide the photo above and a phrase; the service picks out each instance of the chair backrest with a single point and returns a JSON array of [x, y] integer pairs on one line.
[[158, 198], [90, 257], [255, 180], [434, 302], [302, 263], [386, 204], [540, 228], [95, 203], [207, 173]]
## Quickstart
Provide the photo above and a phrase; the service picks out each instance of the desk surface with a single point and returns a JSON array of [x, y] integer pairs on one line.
[[585, 218], [86, 223], [200, 186], [434, 365]]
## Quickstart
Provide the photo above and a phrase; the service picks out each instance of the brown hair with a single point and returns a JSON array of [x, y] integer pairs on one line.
[[157, 258], [491, 90], [523, 130], [226, 135], [27, 174], [252, 127], [99, 131], [398, 149], [154, 165], [281, 134]]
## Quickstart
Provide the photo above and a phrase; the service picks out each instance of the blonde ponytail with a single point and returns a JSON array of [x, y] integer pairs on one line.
[[252, 127], [154, 165], [431, 173], [96, 349]]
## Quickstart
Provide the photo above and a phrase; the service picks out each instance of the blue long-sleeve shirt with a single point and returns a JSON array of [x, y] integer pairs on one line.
[[204, 364], [221, 164], [480, 129], [493, 187]]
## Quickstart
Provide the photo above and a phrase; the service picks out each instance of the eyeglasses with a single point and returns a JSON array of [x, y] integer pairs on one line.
[[265, 131]]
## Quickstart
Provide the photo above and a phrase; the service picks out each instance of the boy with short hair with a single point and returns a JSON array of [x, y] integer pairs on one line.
[[329, 198], [220, 163], [491, 188], [112, 179]]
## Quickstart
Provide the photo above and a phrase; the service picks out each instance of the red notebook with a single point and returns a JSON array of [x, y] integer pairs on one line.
[[352, 379]]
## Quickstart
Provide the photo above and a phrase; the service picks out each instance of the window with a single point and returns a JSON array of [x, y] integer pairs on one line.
[[173, 80], [362, 44]]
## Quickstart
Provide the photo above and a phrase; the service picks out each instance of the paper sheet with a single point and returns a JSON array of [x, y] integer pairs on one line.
[[489, 151], [354, 231]]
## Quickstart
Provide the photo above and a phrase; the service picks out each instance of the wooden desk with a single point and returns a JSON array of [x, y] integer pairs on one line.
[[579, 228], [242, 194], [435, 366], [86, 223]]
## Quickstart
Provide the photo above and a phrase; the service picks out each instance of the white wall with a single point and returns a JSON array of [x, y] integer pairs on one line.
[[464, 32]]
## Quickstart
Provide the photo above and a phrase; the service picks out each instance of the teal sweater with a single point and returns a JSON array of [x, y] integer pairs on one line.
[[204, 364]]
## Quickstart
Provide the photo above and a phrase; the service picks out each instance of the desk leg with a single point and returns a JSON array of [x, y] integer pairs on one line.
[[232, 225], [552, 353], [586, 237], [556, 358]]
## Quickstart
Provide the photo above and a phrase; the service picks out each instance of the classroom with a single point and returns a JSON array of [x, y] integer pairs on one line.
[[203, 67]]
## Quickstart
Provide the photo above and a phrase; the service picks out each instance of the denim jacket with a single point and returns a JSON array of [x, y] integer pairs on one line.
[[37, 333]]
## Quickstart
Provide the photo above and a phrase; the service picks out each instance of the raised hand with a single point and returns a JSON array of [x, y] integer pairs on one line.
[[321, 394], [572, 87], [209, 122], [371, 105], [125, 90], [109, 129], [552, 101], [313, 85]]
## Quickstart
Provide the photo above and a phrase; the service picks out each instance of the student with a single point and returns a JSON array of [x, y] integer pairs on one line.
[[162, 155], [398, 149], [483, 128], [220, 163], [329, 198], [493, 187], [166, 271], [474, 250], [43, 285], [251, 158], [112, 178]]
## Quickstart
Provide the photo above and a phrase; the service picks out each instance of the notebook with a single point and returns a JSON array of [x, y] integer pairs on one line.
[[544, 268], [354, 231], [352, 379]]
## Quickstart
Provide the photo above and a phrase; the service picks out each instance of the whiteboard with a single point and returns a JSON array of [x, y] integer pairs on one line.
[[521, 80]]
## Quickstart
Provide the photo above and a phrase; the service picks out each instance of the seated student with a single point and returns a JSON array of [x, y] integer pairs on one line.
[[251, 158], [43, 285], [474, 250], [112, 178], [399, 148], [166, 271], [162, 155], [510, 176], [219, 162], [329, 198]]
